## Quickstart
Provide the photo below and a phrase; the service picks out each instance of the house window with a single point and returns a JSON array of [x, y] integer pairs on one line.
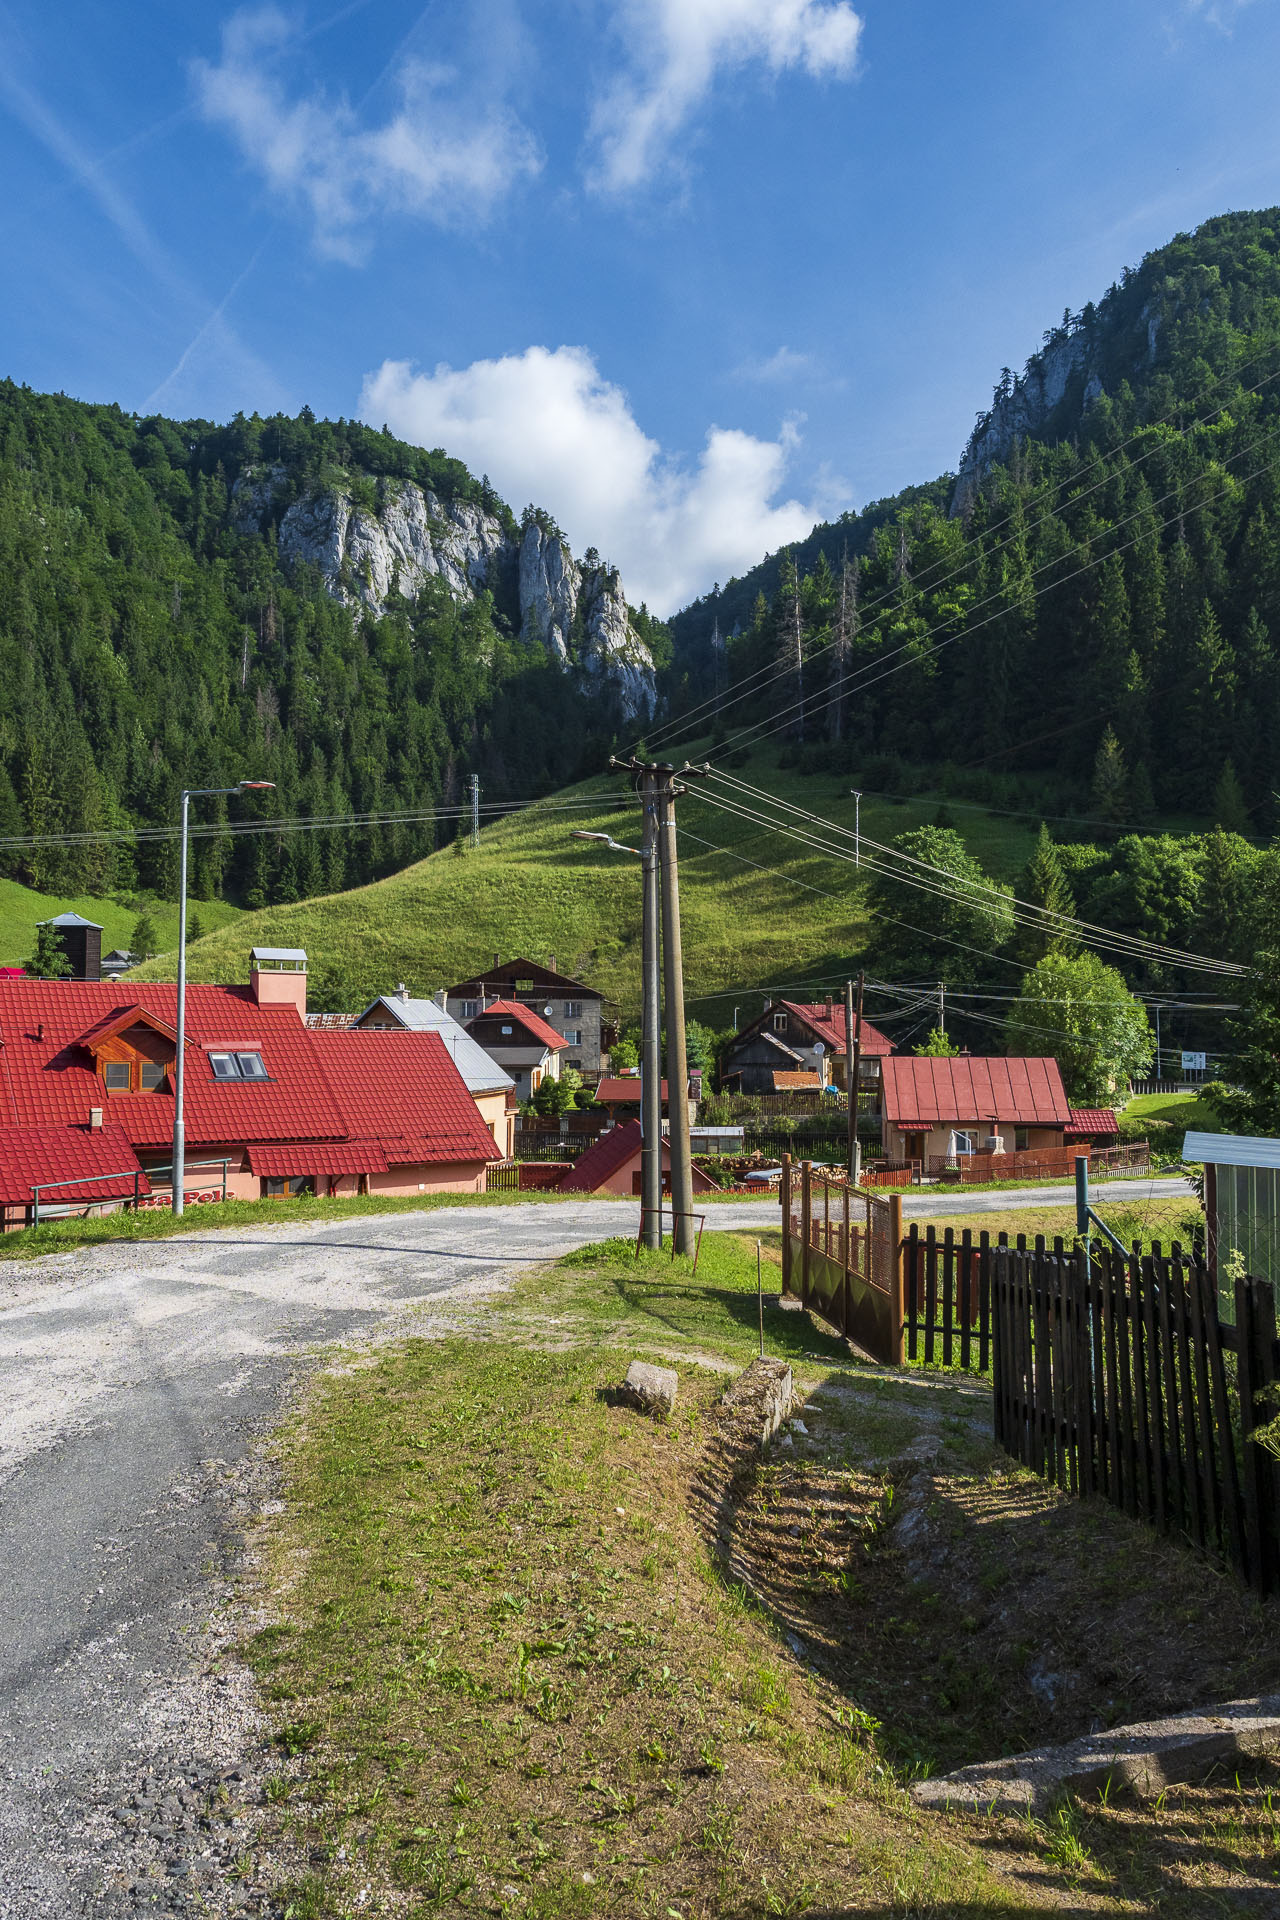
[[470, 1009], [964, 1142], [295, 1184], [573, 1009], [574, 1036], [779, 1022], [152, 1076], [1021, 1139], [507, 1030], [118, 1076], [237, 1066], [575, 1064]]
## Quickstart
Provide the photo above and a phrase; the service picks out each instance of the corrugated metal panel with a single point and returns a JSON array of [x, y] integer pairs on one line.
[[1019, 1091], [1231, 1149]]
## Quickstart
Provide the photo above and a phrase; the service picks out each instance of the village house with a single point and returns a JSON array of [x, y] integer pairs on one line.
[[795, 1037], [522, 1043], [271, 1107], [491, 1087], [947, 1108], [575, 1010], [621, 1099]]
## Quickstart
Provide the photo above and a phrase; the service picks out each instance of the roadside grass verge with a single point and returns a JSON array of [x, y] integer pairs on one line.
[[158, 1223], [509, 1679], [1161, 1218]]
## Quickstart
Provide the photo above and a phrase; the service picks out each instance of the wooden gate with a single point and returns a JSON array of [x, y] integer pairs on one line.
[[842, 1256]]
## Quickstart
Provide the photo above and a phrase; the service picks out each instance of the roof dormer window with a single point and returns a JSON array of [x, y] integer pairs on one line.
[[237, 1066], [118, 1075]]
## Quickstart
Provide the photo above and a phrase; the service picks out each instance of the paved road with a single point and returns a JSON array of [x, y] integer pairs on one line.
[[134, 1382], [1164, 1186]]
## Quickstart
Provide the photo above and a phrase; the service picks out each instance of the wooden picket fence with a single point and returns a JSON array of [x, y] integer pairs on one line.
[[1128, 1379], [842, 1256]]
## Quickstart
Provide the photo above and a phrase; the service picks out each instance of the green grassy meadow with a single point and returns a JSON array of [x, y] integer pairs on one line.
[[22, 908], [530, 889]]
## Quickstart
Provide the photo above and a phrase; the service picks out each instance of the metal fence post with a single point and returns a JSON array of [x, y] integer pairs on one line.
[[806, 1226], [897, 1300]]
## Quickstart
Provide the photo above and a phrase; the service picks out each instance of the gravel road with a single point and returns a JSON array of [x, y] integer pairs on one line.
[[134, 1383]]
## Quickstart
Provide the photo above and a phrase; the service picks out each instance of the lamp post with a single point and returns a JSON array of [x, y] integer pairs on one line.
[[650, 1062], [179, 1167]]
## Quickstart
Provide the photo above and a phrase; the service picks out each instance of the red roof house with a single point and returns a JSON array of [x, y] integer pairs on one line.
[[285, 1108], [951, 1106], [612, 1165], [521, 1042], [1097, 1126]]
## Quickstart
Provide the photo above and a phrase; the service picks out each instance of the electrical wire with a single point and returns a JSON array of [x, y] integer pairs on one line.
[[1025, 913], [974, 544], [858, 683]]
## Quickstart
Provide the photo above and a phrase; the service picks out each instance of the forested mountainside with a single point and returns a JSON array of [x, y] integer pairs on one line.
[[309, 602], [1096, 595]]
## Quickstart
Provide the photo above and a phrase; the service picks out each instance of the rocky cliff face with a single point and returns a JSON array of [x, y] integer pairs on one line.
[[578, 613], [1066, 370]]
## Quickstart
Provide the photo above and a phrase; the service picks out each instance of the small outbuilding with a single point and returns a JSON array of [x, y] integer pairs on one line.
[[612, 1165]]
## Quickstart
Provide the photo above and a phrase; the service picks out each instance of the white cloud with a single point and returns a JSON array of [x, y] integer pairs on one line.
[[546, 427], [440, 155], [676, 48], [786, 364]]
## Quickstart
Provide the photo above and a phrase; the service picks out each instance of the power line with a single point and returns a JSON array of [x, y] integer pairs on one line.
[[919, 653], [972, 545], [1025, 913]]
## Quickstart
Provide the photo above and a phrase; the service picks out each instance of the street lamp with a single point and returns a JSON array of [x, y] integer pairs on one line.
[[650, 1038], [179, 1168]]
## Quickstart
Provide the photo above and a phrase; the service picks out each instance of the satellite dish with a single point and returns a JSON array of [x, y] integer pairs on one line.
[[818, 1048], [548, 1010]]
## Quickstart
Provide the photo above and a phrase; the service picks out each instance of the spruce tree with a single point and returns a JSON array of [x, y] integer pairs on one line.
[[1045, 885], [1229, 809], [1109, 793], [1142, 799], [1251, 1104]]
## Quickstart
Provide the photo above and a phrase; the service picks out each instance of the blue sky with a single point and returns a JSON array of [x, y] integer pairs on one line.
[[689, 273]]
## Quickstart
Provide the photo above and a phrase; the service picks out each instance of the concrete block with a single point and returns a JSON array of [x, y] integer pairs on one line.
[[1144, 1758], [652, 1389]]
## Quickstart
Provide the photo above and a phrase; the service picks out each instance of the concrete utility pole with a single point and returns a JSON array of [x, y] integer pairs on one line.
[[651, 1029], [942, 1007], [853, 1060], [857, 826], [660, 787], [475, 809]]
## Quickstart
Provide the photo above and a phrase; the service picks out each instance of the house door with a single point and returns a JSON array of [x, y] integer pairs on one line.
[[913, 1145]]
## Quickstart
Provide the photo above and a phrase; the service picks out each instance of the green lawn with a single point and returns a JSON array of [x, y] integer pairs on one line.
[[531, 889], [21, 910]]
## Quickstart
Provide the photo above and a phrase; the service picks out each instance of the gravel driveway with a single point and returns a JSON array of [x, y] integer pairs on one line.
[[134, 1382]]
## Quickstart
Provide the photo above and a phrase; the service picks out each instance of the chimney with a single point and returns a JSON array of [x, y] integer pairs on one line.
[[442, 999], [278, 978], [497, 961], [95, 1119], [403, 991], [551, 963]]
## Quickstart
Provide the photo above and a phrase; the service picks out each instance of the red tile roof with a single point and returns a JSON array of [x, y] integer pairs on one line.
[[397, 1087], [786, 1081], [921, 1092], [44, 1154], [1086, 1122], [322, 1156], [827, 1022], [622, 1089], [611, 1151], [532, 1022], [403, 1089]]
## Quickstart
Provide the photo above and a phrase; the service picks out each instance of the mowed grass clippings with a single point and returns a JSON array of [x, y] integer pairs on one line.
[[512, 1681]]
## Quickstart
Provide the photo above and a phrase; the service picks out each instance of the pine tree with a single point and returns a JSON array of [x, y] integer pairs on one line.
[[1142, 799], [1045, 885], [844, 633], [790, 634], [1229, 809], [145, 938], [1109, 793], [1252, 1103]]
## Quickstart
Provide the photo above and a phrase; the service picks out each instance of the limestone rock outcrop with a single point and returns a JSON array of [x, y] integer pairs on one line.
[[365, 555]]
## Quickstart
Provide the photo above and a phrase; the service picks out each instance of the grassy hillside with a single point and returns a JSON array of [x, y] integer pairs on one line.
[[22, 908], [531, 889]]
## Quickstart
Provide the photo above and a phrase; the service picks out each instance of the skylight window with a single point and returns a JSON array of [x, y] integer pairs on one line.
[[237, 1066]]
